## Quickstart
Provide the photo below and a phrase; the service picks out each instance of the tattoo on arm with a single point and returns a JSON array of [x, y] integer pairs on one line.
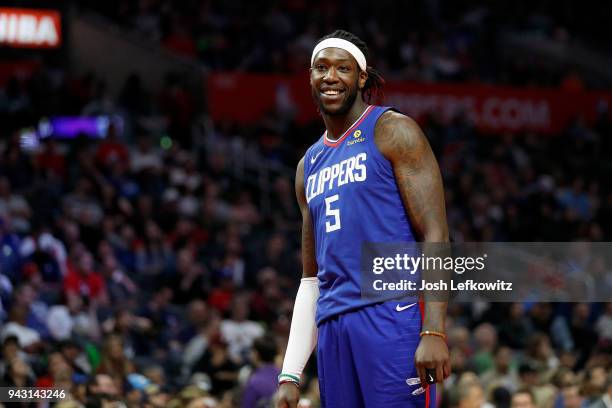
[[420, 186], [417, 175]]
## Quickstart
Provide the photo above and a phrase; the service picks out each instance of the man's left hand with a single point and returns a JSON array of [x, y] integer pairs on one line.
[[432, 354]]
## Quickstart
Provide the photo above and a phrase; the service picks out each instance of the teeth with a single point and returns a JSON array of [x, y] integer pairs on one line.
[[331, 92]]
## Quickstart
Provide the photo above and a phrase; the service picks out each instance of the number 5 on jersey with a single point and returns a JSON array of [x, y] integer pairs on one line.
[[334, 223]]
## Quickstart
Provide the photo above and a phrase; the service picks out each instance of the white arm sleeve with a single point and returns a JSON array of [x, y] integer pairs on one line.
[[303, 333]]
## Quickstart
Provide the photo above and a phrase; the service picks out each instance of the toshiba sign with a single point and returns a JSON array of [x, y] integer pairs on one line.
[[30, 28]]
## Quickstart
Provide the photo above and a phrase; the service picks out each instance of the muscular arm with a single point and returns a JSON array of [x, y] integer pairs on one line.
[[417, 173], [309, 262], [419, 182]]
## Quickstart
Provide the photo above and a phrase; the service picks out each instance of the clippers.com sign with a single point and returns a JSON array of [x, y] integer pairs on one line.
[[30, 28], [492, 109]]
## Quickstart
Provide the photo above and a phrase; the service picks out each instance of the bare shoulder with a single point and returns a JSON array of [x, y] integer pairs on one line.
[[300, 166], [397, 135]]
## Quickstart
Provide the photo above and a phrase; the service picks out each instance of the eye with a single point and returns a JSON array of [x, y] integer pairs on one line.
[[344, 68], [320, 67]]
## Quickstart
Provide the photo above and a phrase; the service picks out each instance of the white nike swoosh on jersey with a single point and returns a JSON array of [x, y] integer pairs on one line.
[[399, 308], [314, 158], [431, 379]]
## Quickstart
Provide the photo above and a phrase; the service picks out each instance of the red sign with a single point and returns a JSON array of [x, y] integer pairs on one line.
[[496, 108], [246, 98], [30, 28]]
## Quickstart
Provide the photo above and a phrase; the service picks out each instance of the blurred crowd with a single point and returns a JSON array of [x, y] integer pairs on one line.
[[140, 269], [426, 40]]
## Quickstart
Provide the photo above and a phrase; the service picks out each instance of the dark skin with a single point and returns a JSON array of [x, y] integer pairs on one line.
[[419, 181], [418, 178]]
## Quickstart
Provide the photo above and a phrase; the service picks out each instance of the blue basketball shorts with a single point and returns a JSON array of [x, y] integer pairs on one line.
[[365, 358]]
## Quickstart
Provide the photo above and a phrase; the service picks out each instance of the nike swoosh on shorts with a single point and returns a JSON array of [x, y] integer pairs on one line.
[[399, 308]]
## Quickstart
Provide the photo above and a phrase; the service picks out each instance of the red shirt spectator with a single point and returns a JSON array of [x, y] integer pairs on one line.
[[112, 150], [221, 297], [51, 160], [82, 280], [59, 373]]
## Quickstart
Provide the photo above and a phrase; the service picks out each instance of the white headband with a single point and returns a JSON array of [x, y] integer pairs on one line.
[[342, 44]]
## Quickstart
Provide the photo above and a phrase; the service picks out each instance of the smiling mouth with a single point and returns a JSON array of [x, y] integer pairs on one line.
[[331, 93]]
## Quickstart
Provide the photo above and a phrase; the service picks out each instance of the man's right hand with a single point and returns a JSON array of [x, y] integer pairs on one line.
[[287, 396]]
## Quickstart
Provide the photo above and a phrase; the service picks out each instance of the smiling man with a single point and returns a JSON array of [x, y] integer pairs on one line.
[[371, 177]]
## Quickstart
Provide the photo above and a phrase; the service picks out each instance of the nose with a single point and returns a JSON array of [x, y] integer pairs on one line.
[[331, 75]]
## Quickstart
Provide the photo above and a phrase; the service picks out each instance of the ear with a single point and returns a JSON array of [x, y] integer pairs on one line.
[[363, 77]]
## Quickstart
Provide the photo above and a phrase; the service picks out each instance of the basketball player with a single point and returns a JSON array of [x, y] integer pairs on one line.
[[371, 177]]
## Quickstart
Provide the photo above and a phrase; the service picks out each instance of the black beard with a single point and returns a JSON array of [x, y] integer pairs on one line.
[[344, 108]]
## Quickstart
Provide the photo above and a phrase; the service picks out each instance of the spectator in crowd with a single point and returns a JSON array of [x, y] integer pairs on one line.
[[604, 325], [59, 373], [238, 331], [15, 206], [83, 280], [503, 373], [543, 392], [540, 354], [217, 363], [75, 357], [18, 373], [74, 319], [134, 330], [468, 393], [593, 384], [523, 398], [486, 339], [155, 374], [569, 397], [10, 349], [205, 329], [114, 361], [171, 249], [259, 388], [112, 150], [541, 319], [29, 339], [47, 253], [27, 296], [500, 397], [514, 329], [605, 400], [189, 283], [164, 320], [102, 389], [583, 333]]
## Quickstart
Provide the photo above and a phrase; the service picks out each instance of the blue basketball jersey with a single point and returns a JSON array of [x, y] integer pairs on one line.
[[353, 198]]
